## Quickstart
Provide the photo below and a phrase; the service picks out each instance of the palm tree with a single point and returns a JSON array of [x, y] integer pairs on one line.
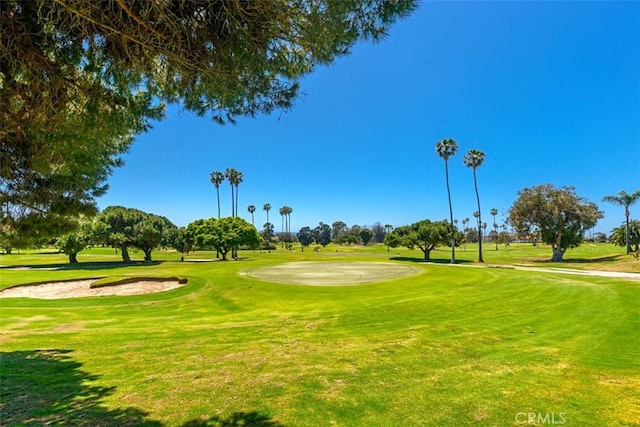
[[473, 159], [235, 179], [445, 149], [287, 212], [493, 213], [281, 211], [216, 179], [624, 199], [251, 209], [230, 174], [267, 208], [238, 180]]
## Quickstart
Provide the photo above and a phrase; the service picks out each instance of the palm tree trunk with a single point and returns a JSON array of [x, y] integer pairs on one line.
[[218, 191], [475, 183], [626, 231], [453, 236]]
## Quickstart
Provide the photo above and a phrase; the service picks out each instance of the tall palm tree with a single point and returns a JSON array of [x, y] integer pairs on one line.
[[267, 208], [237, 181], [251, 209], [473, 159], [282, 211], [216, 179], [445, 149], [624, 199], [230, 174], [493, 213], [289, 211]]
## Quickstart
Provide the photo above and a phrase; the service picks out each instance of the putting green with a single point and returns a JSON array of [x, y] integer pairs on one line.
[[331, 273]]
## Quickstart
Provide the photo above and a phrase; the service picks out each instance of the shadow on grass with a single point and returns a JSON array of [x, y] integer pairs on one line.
[[47, 387], [431, 261], [249, 419], [92, 266], [609, 258]]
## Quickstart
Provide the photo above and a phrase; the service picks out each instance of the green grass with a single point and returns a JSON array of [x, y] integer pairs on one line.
[[451, 346]]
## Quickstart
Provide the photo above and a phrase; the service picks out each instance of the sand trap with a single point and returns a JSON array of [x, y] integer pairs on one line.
[[81, 288], [331, 273]]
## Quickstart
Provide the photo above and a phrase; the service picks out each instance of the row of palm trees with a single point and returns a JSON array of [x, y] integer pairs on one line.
[[446, 149], [235, 178]]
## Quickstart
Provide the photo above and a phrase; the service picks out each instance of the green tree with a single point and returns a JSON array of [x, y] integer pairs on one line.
[[473, 159], [79, 79], [224, 234], [338, 228], [446, 149], [217, 178], [627, 234], [392, 240], [427, 235], [366, 235], [624, 199], [322, 234], [305, 236], [493, 213], [114, 226], [152, 231], [72, 243], [560, 216]]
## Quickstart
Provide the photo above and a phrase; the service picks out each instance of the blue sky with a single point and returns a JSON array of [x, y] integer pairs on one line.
[[550, 91]]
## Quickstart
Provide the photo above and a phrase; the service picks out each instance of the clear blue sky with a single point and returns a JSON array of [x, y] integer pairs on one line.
[[550, 91]]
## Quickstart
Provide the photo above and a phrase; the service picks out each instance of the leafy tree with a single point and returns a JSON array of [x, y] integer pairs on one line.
[[79, 79], [338, 228], [558, 213], [426, 235], [72, 243], [223, 234], [445, 149], [473, 159], [624, 199], [151, 232], [305, 236], [322, 234], [267, 232], [114, 226], [627, 234], [366, 235], [392, 240], [217, 178], [175, 238]]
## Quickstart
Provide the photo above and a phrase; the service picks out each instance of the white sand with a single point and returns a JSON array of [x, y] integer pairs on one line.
[[81, 288]]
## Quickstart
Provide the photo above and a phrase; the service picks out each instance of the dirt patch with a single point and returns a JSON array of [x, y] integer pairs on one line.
[[82, 288], [331, 273]]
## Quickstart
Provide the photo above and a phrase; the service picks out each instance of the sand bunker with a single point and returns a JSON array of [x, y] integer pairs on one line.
[[331, 273], [82, 288]]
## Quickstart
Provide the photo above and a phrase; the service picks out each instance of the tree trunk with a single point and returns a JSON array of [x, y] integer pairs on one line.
[[480, 236], [453, 236], [125, 254], [73, 258], [147, 254], [427, 255], [558, 253], [224, 255], [626, 231]]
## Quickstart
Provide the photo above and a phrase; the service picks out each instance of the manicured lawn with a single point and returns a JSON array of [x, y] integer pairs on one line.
[[451, 346]]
